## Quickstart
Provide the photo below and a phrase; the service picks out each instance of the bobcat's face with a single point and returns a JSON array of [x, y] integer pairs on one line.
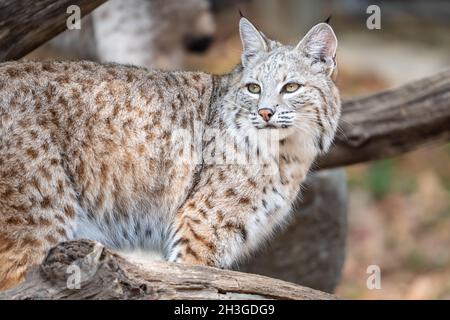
[[288, 88]]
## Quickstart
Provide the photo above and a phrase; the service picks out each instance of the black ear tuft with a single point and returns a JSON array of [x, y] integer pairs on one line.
[[328, 19], [240, 13]]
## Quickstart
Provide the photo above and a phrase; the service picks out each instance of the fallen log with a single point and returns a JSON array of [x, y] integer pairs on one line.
[[106, 275]]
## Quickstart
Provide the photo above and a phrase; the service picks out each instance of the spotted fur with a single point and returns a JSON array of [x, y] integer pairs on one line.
[[140, 159]]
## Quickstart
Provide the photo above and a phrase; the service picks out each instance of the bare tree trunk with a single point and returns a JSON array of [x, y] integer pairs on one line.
[[106, 275], [311, 250], [27, 24]]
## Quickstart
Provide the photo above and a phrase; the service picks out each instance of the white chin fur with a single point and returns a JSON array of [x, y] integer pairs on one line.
[[281, 132]]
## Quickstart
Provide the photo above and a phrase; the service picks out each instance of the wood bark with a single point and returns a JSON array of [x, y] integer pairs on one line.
[[392, 122], [25, 25], [106, 275]]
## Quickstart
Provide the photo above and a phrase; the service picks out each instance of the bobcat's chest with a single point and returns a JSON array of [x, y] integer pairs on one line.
[[271, 210], [276, 196], [133, 230]]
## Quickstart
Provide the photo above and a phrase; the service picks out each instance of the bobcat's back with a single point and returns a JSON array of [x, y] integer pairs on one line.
[[102, 135]]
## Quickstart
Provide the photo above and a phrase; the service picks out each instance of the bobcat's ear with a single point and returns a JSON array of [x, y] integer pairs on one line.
[[252, 41], [321, 44]]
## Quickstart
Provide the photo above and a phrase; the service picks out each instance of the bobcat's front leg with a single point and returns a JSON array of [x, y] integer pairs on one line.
[[210, 235], [232, 211]]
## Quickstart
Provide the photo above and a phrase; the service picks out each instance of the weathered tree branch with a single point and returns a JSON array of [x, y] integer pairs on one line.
[[106, 275], [25, 25], [392, 122]]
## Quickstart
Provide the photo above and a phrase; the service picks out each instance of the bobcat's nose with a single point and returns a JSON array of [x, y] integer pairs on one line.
[[266, 114]]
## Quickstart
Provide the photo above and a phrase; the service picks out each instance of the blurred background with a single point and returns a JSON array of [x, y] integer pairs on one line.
[[399, 209]]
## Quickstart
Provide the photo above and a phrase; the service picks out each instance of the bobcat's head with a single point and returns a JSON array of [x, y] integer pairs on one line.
[[288, 88]]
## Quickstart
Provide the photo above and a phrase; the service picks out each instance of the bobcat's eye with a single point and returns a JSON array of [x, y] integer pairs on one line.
[[254, 88], [290, 87]]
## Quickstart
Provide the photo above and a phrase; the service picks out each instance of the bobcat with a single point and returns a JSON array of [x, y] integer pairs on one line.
[[203, 167], [148, 33]]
